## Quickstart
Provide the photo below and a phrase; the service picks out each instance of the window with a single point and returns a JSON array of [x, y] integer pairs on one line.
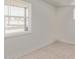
[[17, 19]]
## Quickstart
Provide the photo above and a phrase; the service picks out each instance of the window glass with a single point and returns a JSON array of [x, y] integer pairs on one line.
[[15, 19], [14, 11]]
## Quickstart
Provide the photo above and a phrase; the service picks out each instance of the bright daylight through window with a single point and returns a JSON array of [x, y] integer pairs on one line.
[[17, 16]]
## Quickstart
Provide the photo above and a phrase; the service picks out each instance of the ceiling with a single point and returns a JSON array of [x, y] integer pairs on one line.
[[58, 3], [61, 2]]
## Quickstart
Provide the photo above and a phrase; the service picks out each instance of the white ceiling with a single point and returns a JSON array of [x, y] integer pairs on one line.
[[60, 2]]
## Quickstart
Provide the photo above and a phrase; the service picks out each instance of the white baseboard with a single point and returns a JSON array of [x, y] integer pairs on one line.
[[66, 41]]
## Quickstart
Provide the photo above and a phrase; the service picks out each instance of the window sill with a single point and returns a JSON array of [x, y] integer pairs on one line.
[[17, 34]]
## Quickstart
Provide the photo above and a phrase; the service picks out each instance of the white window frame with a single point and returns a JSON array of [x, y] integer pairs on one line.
[[19, 33]]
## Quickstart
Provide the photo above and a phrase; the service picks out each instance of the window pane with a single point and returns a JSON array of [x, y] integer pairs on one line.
[[15, 19], [6, 10], [14, 11]]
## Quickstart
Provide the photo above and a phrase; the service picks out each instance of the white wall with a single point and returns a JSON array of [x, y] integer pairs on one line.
[[48, 24], [66, 24], [43, 31]]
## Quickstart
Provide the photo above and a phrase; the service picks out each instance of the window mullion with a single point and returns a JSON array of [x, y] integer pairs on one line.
[[25, 18]]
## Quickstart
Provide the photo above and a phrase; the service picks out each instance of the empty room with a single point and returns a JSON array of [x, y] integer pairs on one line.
[[39, 29]]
